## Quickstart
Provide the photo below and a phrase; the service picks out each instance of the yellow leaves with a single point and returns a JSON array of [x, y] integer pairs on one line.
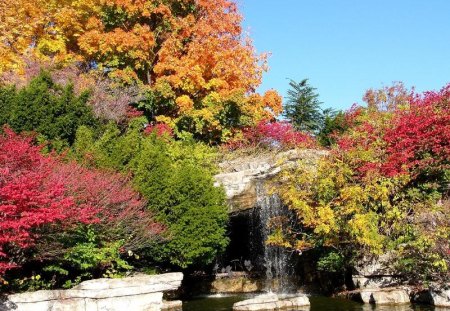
[[277, 239], [326, 221], [185, 104], [216, 84], [353, 199], [364, 228], [165, 120], [303, 245]]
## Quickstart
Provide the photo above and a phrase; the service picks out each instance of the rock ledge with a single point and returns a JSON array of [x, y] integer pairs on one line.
[[137, 293]]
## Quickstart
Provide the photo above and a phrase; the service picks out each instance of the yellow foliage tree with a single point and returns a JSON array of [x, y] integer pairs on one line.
[[200, 72]]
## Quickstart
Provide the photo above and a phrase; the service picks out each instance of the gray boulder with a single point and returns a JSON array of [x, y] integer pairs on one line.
[[141, 292], [272, 302]]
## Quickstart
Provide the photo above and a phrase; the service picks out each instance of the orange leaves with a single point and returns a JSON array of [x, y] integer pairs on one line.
[[119, 45], [185, 104], [272, 100], [185, 49]]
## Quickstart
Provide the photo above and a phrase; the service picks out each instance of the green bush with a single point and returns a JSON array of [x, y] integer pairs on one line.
[[176, 179], [52, 110]]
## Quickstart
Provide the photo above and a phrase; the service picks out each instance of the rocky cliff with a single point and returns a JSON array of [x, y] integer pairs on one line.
[[239, 176]]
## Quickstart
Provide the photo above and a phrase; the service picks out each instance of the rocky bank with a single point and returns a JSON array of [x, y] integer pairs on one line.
[[137, 293]]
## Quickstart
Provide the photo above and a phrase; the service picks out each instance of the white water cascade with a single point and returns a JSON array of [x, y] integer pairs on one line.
[[278, 262]]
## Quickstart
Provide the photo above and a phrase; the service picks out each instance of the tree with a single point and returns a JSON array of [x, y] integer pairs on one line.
[[190, 56], [302, 108], [176, 179], [334, 125]]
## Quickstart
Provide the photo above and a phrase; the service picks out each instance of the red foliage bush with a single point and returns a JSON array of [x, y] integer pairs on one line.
[[120, 212], [42, 197], [408, 135], [278, 135], [28, 199], [160, 129], [419, 138]]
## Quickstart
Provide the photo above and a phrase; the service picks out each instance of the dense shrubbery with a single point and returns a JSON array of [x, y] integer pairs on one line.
[[176, 178], [65, 222], [88, 219], [271, 135], [52, 110], [381, 188]]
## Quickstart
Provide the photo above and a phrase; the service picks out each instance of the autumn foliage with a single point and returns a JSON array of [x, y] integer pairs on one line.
[[382, 188], [41, 197], [198, 70], [28, 199], [419, 141], [272, 135]]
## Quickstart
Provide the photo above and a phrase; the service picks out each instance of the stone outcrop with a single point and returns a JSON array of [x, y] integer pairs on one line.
[[376, 272], [273, 302], [174, 305], [137, 293], [237, 283], [380, 296], [239, 176], [435, 295]]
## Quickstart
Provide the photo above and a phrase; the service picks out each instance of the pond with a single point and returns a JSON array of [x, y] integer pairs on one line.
[[318, 303]]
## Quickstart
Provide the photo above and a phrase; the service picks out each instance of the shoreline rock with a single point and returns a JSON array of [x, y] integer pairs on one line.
[[435, 295], [137, 293], [273, 302]]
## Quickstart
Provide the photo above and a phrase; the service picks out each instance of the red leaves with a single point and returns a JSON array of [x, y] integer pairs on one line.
[[273, 135], [160, 129], [28, 198], [420, 136], [38, 191], [281, 133], [410, 135]]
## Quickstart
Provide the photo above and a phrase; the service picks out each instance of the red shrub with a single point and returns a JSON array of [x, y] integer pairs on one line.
[[419, 138], [42, 198], [28, 199], [278, 135], [120, 212], [160, 129]]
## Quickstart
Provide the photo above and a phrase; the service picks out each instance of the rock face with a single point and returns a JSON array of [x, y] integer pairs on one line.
[[142, 292], [438, 296], [236, 284], [380, 296], [273, 302], [385, 296], [375, 273], [175, 305], [239, 176]]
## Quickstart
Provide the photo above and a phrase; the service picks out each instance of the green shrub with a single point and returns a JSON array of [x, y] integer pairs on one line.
[[52, 110], [176, 179]]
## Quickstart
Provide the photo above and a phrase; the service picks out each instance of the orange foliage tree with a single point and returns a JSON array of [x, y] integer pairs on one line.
[[191, 58]]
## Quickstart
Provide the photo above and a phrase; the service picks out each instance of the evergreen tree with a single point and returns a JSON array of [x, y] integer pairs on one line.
[[302, 108]]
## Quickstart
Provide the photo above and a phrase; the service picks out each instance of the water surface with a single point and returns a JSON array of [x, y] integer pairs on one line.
[[318, 303]]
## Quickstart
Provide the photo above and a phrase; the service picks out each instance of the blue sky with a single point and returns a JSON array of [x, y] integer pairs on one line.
[[347, 46]]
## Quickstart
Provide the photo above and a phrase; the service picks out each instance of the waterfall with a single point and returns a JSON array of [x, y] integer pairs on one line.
[[277, 261]]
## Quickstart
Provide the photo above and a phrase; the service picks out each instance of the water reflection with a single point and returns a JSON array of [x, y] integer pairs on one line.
[[225, 303]]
